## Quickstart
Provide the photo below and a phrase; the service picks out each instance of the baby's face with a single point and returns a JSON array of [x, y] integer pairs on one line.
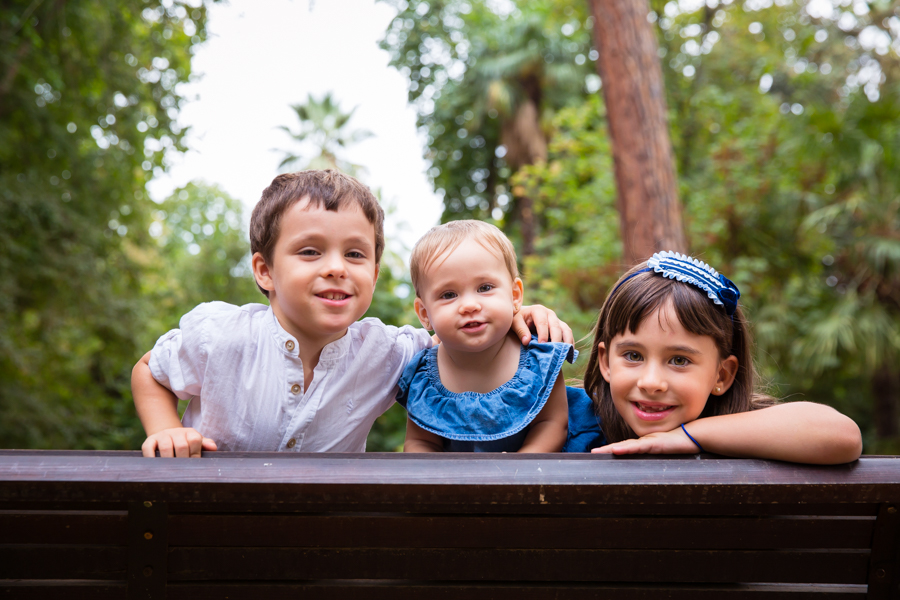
[[469, 298], [662, 375]]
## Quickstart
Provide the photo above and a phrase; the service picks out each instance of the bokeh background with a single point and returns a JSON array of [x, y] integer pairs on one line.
[[135, 136]]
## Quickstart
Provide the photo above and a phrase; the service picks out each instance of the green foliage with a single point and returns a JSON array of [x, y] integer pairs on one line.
[[87, 98], [324, 126], [471, 66]]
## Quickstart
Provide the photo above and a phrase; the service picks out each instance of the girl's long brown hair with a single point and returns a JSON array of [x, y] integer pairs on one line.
[[639, 297]]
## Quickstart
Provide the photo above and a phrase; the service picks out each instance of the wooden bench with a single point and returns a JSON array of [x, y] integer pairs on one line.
[[377, 526]]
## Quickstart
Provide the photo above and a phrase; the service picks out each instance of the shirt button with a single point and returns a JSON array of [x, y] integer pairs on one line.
[[289, 345], [291, 443], [295, 389]]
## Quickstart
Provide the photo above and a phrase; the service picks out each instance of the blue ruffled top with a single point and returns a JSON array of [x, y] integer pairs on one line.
[[498, 420]]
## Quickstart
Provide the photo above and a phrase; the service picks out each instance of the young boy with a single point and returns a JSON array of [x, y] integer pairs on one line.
[[303, 374]]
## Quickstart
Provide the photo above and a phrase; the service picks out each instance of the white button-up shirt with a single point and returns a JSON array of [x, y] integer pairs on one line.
[[242, 372]]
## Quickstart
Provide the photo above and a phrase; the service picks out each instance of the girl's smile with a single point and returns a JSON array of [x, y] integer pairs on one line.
[[662, 375]]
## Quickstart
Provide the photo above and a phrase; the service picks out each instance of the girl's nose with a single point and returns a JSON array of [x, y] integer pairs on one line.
[[652, 380]]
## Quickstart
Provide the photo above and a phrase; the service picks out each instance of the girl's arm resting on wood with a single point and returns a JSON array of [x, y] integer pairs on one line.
[[157, 407], [420, 440], [551, 425], [801, 432]]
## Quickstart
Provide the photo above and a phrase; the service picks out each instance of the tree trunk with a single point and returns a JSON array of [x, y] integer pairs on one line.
[[649, 210], [525, 145]]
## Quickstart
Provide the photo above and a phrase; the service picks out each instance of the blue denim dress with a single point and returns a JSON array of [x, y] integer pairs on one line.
[[493, 422]]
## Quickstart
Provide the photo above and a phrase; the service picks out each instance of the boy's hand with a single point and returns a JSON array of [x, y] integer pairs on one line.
[[663, 442], [545, 323], [177, 442]]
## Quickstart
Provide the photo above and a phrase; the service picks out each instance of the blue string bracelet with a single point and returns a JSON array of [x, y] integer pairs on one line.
[[692, 439]]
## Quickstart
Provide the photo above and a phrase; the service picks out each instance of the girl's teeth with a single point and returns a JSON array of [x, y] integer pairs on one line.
[[652, 408]]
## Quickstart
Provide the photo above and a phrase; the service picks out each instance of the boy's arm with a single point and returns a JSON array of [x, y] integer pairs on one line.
[[551, 425], [157, 407], [546, 325], [802, 432], [420, 440]]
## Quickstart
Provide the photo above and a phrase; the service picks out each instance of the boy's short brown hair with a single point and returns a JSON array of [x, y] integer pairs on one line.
[[329, 189], [447, 237]]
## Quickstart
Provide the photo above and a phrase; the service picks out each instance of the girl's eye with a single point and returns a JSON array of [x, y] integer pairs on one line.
[[680, 361], [485, 287], [448, 296], [632, 356]]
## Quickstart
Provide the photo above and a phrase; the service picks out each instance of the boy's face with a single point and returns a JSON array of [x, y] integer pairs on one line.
[[469, 298], [323, 271]]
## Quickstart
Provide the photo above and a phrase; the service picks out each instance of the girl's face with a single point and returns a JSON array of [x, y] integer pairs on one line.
[[469, 298], [662, 375]]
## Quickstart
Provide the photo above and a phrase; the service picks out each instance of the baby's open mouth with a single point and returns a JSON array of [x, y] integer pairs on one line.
[[472, 325]]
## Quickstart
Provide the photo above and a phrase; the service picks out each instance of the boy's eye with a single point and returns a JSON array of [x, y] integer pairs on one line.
[[308, 252], [680, 361], [485, 287], [632, 356], [355, 254], [447, 296]]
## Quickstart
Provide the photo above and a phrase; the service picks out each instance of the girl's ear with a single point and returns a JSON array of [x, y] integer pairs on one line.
[[603, 360], [518, 294], [422, 313], [261, 272], [728, 369]]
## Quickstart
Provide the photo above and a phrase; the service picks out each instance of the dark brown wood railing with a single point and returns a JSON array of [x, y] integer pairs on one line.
[[115, 525]]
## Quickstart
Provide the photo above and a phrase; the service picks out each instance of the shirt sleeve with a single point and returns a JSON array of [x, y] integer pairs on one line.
[[178, 360]]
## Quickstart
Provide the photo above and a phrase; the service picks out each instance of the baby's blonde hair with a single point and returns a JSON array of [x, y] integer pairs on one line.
[[447, 237]]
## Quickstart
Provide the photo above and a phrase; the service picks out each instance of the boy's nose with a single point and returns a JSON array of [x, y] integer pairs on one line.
[[333, 266]]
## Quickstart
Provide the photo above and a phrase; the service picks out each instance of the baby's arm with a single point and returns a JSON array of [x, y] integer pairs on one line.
[[157, 407], [802, 432], [550, 426], [420, 440]]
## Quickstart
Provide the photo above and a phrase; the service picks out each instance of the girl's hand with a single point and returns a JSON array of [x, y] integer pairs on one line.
[[177, 442], [543, 322], [664, 442]]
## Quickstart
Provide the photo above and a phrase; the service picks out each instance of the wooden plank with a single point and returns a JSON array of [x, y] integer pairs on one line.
[[63, 527], [649, 566], [884, 566], [412, 531], [537, 481], [35, 561], [404, 590], [66, 588]]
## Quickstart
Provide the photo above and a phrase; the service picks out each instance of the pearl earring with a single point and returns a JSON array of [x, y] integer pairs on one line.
[[718, 390]]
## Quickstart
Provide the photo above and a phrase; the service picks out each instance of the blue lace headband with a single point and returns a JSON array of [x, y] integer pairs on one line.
[[689, 270]]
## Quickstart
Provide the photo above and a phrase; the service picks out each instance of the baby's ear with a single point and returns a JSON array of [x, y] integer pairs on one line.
[[422, 313], [603, 360]]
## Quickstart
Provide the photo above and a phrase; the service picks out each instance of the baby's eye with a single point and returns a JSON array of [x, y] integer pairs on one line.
[[448, 296], [485, 288], [680, 361], [632, 356]]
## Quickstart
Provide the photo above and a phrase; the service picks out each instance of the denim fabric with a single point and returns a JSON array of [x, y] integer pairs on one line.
[[585, 432], [473, 417]]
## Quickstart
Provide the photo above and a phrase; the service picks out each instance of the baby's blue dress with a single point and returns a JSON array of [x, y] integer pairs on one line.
[[497, 421]]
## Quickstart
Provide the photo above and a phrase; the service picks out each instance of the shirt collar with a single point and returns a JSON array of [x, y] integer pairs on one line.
[[288, 344]]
